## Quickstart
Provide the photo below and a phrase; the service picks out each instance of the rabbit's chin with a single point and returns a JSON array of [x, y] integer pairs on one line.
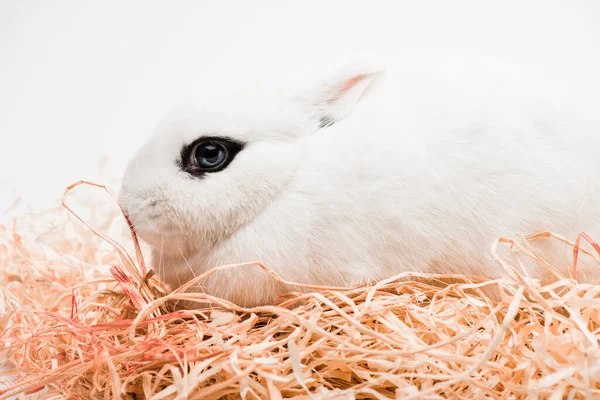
[[163, 242]]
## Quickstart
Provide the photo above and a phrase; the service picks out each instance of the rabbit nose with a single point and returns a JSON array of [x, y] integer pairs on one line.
[[149, 203], [150, 206]]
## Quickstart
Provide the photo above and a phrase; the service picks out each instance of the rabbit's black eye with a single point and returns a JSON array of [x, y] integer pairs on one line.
[[209, 154]]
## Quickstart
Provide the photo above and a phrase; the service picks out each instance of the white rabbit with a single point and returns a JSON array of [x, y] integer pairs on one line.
[[361, 176]]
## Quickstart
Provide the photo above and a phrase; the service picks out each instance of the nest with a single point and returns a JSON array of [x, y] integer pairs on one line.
[[82, 318]]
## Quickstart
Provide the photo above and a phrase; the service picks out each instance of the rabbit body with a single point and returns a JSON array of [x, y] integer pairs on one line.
[[368, 174]]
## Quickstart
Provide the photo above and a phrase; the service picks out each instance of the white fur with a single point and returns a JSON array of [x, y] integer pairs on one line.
[[425, 168]]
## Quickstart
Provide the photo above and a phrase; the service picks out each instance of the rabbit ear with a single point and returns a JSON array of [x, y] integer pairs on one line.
[[338, 95]]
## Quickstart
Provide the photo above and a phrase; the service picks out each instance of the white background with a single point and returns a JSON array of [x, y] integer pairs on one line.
[[81, 80]]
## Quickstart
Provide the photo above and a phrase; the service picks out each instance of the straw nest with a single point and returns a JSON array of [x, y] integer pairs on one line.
[[81, 318]]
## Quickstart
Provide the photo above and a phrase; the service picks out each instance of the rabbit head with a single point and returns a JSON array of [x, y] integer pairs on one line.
[[211, 167]]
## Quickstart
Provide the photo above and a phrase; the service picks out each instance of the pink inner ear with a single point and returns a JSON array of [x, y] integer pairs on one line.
[[347, 85]]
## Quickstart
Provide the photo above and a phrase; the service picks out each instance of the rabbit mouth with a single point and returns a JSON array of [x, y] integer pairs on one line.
[[154, 229]]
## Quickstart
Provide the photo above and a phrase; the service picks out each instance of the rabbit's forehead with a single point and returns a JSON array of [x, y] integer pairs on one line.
[[244, 124]]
